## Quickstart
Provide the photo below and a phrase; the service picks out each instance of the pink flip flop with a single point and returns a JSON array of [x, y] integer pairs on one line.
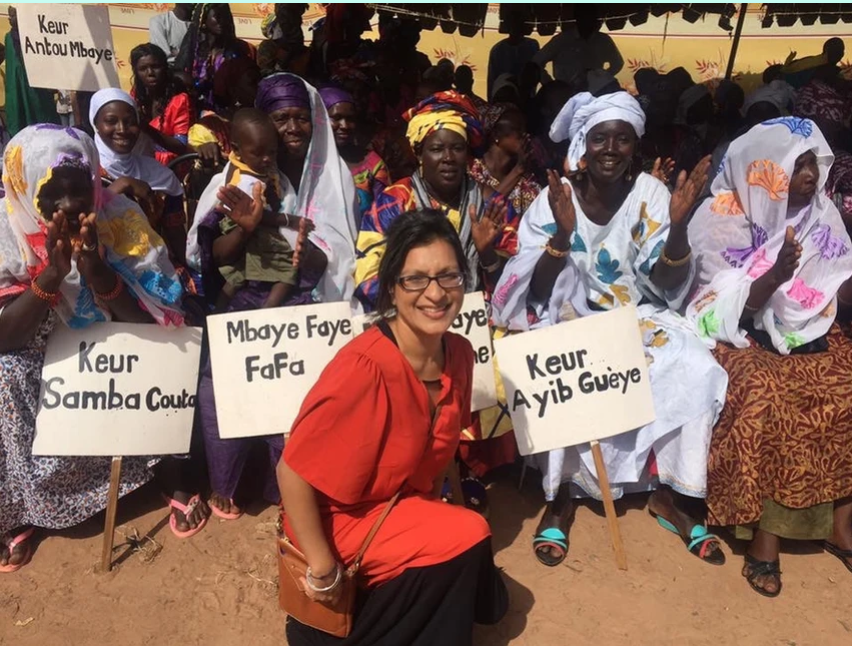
[[20, 538], [221, 514], [186, 510]]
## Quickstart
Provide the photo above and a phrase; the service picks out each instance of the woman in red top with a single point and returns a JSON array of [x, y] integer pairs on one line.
[[162, 105], [384, 416]]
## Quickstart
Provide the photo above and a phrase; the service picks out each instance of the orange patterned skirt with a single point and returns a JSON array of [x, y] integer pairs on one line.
[[785, 434]]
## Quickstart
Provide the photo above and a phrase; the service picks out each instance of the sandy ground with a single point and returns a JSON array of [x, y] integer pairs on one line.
[[219, 588]]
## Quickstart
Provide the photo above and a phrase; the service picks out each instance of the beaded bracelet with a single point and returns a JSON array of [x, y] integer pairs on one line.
[[556, 253], [48, 297], [114, 293], [680, 262]]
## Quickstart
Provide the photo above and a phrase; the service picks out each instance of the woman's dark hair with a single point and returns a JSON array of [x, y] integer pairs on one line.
[[222, 10], [410, 230], [143, 99]]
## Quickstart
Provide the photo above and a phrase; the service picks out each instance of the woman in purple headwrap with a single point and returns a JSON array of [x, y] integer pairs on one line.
[[317, 217], [369, 171]]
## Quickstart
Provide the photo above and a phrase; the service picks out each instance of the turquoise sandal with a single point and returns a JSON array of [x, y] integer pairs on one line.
[[698, 542], [554, 538]]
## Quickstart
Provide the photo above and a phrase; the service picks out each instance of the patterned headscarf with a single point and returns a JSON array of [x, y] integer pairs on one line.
[[738, 232], [332, 95], [583, 112], [280, 91], [127, 243], [444, 110]]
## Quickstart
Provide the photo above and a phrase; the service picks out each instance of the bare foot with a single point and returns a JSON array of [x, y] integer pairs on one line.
[[764, 547], [223, 504], [196, 516], [558, 514], [20, 553], [669, 505]]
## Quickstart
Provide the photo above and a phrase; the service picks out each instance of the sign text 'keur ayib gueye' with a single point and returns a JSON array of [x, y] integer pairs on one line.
[[118, 389], [575, 382], [265, 361]]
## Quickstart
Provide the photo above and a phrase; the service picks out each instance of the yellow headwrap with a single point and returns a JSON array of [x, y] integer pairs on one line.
[[424, 124]]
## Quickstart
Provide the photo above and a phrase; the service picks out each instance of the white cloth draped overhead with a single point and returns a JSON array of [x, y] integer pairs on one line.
[[138, 164], [326, 196], [584, 111]]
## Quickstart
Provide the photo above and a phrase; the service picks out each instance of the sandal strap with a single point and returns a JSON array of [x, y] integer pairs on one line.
[[552, 535], [836, 551], [762, 568], [700, 536], [186, 509], [20, 538]]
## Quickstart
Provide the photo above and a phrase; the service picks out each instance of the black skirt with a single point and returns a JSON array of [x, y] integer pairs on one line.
[[423, 606]]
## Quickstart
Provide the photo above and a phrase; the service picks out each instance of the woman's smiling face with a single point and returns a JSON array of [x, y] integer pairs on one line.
[[609, 150], [118, 126]]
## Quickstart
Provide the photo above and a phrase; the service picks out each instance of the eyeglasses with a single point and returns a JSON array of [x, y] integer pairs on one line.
[[451, 280]]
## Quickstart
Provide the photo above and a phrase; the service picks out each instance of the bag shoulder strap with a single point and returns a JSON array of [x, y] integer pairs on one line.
[[352, 570]]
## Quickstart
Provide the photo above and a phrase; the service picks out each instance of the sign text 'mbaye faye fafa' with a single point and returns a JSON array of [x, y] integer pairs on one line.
[[265, 362], [117, 389], [67, 46], [576, 382]]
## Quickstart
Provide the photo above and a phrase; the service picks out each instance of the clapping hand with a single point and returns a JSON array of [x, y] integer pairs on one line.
[[663, 169], [486, 229], [245, 211], [687, 190], [561, 203]]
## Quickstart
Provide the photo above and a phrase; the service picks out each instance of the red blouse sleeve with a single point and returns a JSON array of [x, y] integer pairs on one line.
[[336, 440], [179, 115]]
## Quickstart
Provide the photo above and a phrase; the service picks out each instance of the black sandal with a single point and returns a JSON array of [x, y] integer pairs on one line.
[[758, 568], [843, 555]]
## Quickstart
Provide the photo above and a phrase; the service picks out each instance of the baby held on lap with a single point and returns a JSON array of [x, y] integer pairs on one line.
[[268, 257]]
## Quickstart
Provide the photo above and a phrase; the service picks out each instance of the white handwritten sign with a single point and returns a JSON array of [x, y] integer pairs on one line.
[[67, 46], [265, 362], [118, 389], [576, 382], [472, 323]]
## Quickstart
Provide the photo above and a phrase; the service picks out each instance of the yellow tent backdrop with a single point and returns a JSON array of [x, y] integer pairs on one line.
[[664, 43]]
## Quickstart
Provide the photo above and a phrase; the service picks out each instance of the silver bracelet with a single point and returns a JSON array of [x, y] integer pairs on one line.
[[338, 575]]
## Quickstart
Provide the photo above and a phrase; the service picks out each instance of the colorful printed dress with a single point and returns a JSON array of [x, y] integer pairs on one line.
[[410, 194], [610, 266], [371, 179], [51, 492], [782, 451]]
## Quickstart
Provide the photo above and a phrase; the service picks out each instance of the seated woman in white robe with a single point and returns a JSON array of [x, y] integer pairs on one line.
[[606, 237]]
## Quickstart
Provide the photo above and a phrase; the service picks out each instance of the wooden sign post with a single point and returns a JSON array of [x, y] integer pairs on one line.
[[577, 383], [112, 508], [117, 389]]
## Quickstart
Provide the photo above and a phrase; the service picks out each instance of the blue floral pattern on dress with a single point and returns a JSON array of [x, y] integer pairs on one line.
[[607, 267]]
